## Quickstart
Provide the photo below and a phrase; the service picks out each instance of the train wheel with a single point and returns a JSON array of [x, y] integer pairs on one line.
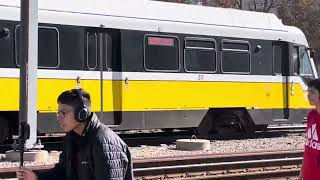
[[168, 130], [261, 127], [227, 123], [4, 130]]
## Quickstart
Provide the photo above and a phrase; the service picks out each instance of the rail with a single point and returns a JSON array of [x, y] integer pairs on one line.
[[252, 165]]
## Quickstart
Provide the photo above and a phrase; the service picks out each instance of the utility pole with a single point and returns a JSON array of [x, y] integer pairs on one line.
[[28, 67]]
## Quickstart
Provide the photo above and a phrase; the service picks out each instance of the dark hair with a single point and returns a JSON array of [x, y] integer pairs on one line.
[[70, 98], [315, 83]]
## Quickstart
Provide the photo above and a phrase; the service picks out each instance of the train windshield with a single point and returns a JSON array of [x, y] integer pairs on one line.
[[305, 67]]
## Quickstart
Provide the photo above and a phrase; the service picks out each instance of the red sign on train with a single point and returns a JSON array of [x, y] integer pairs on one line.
[[159, 41]]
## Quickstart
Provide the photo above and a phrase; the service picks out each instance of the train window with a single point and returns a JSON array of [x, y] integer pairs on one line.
[[277, 58], [48, 47], [6, 47], [199, 55], [200, 43], [305, 68], [235, 62], [235, 46], [295, 60], [92, 50], [161, 53], [107, 53], [235, 57]]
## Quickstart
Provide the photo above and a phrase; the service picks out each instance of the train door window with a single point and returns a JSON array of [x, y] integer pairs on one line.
[[92, 50], [277, 58], [235, 56], [305, 68], [48, 47], [200, 55], [6, 47], [161, 53], [107, 53], [295, 60]]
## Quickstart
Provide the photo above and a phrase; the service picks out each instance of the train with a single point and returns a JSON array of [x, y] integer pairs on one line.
[[160, 65]]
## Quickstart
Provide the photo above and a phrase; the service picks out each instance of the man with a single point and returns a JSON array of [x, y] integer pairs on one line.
[[91, 150], [310, 168]]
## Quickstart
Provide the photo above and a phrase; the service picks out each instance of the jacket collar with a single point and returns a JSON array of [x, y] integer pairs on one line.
[[93, 123]]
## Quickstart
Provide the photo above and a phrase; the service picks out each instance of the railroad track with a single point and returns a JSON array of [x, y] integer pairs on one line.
[[230, 166], [254, 165]]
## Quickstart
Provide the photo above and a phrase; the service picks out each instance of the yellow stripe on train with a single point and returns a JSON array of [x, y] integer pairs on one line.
[[160, 95]]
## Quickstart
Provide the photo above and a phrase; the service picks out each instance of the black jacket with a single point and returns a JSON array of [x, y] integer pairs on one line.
[[102, 155]]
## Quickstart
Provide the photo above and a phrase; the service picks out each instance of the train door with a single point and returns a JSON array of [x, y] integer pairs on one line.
[[107, 89], [280, 110], [303, 70], [96, 64]]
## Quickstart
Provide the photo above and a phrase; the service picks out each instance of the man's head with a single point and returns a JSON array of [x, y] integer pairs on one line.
[[314, 92], [74, 107]]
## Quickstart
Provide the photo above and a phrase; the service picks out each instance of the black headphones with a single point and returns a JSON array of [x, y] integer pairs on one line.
[[81, 113]]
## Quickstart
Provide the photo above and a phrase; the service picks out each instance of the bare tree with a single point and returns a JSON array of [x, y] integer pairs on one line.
[[302, 14], [264, 5], [183, 1], [305, 15], [214, 3], [237, 4]]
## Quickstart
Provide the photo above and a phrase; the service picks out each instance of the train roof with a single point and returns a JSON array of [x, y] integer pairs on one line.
[[159, 13]]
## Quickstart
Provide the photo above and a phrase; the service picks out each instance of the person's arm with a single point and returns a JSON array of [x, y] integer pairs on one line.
[[110, 162], [129, 173], [55, 173], [26, 174], [301, 171], [58, 172]]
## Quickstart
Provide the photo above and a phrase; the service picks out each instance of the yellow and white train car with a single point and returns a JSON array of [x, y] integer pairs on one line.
[[151, 64]]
